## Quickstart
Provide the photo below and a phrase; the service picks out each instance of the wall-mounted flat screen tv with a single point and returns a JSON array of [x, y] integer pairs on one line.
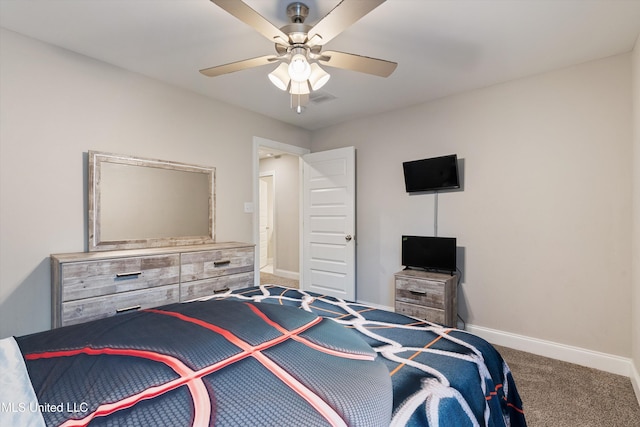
[[433, 174], [429, 253]]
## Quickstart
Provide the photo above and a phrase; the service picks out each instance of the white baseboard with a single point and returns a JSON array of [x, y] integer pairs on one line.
[[378, 306], [580, 356]]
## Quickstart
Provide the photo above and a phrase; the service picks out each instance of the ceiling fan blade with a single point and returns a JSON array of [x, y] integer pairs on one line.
[[363, 64], [342, 16], [239, 65], [252, 18]]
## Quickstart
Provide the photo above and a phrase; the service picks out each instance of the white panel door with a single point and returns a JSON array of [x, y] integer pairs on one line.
[[329, 248]]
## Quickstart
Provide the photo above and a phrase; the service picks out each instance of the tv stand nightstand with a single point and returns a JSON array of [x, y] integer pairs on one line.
[[427, 295]]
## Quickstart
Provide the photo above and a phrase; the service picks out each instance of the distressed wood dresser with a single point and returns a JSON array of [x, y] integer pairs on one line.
[[92, 285], [426, 295]]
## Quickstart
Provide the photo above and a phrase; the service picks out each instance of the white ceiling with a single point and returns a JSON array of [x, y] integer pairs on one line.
[[442, 46]]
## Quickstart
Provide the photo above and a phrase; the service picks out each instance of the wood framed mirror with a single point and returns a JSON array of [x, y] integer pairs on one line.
[[138, 203]]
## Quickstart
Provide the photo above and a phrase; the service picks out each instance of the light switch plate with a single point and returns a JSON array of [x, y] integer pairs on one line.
[[248, 207]]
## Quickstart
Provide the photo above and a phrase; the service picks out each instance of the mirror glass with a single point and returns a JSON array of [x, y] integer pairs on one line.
[[141, 203]]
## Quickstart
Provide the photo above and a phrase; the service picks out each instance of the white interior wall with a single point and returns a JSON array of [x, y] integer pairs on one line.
[[545, 214], [54, 106]]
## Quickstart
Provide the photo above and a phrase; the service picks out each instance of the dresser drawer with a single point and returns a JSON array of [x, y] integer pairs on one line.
[[216, 263], [90, 279], [427, 313], [104, 306], [421, 292], [215, 285]]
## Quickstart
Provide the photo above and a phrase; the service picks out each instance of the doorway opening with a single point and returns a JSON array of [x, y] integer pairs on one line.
[[314, 219], [277, 196]]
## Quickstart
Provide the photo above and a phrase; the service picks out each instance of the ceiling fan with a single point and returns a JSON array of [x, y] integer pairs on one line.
[[299, 47]]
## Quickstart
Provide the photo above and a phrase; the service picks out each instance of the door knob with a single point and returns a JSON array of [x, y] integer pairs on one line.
[[348, 237]]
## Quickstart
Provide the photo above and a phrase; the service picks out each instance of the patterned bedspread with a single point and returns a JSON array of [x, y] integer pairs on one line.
[[226, 363], [441, 376], [268, 356]]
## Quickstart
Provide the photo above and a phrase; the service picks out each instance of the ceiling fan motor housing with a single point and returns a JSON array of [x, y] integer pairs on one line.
[[297, 12], [297, 33], [296, 30]]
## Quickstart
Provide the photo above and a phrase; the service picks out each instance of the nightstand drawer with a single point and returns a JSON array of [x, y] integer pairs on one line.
[[427, 313], [427, 295], [421, 292], [90, 279], [105, 306], [216, 263]]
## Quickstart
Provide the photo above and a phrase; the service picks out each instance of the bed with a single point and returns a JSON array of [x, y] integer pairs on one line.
[[265, 355]]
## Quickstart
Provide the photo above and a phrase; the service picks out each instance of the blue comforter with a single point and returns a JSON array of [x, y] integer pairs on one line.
[[268, 356]]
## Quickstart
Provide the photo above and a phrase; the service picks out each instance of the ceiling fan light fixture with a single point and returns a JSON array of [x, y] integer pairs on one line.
[[299, 47], [299, 68], [318, 77], [299, 88], [280, 76]]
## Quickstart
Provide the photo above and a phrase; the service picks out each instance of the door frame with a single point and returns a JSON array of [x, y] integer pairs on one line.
[[259, 142]]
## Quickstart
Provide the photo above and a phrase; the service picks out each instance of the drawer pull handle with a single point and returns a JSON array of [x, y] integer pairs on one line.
[[418, 292], [220, 263], [129, 274], [123, 310], [219, 291]]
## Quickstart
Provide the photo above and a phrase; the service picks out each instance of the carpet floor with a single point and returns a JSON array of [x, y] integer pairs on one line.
[[561, 394]]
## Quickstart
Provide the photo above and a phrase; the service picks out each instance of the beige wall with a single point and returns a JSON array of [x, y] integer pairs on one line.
[[54, 106], [545, 214], [287, 194], [636, 216], [546, 252]]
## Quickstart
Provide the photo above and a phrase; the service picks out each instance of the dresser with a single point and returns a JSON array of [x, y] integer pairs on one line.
[[92, 285], [426, 295]]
